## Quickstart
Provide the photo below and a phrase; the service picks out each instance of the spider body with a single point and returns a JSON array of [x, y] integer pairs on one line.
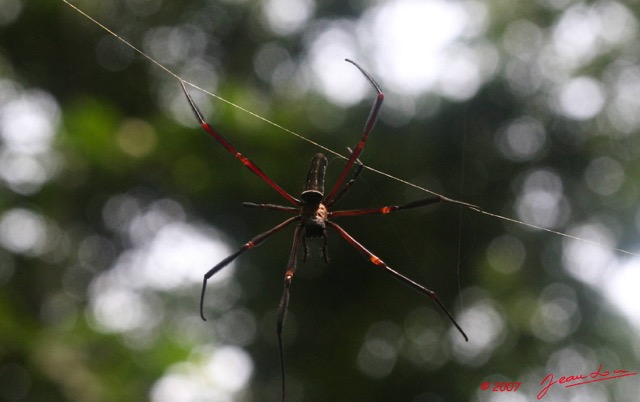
[[313, 217], [313, 213]]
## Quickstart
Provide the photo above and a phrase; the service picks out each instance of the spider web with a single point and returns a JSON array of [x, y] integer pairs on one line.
[[553, 296], [339, 155]]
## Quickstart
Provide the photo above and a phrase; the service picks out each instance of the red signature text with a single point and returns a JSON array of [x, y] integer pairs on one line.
[[581, 379]]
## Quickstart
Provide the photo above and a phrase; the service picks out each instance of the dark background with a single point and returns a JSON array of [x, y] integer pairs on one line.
[[112, 202]]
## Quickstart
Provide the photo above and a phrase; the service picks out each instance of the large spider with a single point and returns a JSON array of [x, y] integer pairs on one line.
[[313, 217]]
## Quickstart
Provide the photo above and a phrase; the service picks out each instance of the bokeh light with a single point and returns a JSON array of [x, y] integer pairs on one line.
[[111, 212]]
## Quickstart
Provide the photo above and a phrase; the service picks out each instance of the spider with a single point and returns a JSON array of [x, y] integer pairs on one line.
[[312, 214]]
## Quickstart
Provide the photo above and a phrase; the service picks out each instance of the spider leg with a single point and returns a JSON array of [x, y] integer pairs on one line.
[[305, 249], [368, 127], [284, 300], [272, 207], [325, 247], [343, 190], [410, 283], [386, 209], [392, 208], [225, 143], [256, 241]]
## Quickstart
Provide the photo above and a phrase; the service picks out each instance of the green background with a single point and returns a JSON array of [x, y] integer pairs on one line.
[[126, 161]]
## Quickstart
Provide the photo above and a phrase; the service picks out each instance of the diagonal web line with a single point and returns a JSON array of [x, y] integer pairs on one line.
[[337, 154]]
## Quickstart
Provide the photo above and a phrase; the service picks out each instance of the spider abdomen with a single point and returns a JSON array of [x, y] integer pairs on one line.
[[313, 190]]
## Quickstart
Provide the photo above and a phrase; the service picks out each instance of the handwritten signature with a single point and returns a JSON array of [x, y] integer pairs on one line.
[[581, 379]]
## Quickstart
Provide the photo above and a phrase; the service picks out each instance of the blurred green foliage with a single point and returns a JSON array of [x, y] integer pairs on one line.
[[90, 309]]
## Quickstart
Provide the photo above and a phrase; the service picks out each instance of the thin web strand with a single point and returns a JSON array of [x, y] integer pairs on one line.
[[460, 213], [152, 60], [337, 154]]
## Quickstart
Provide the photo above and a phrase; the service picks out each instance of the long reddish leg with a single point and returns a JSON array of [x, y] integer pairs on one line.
[[392, 208], [256, 241], [368, 127], [272, 207], [356, 173], [386, 209], [225, 143], [284, 300], [410, 283]]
